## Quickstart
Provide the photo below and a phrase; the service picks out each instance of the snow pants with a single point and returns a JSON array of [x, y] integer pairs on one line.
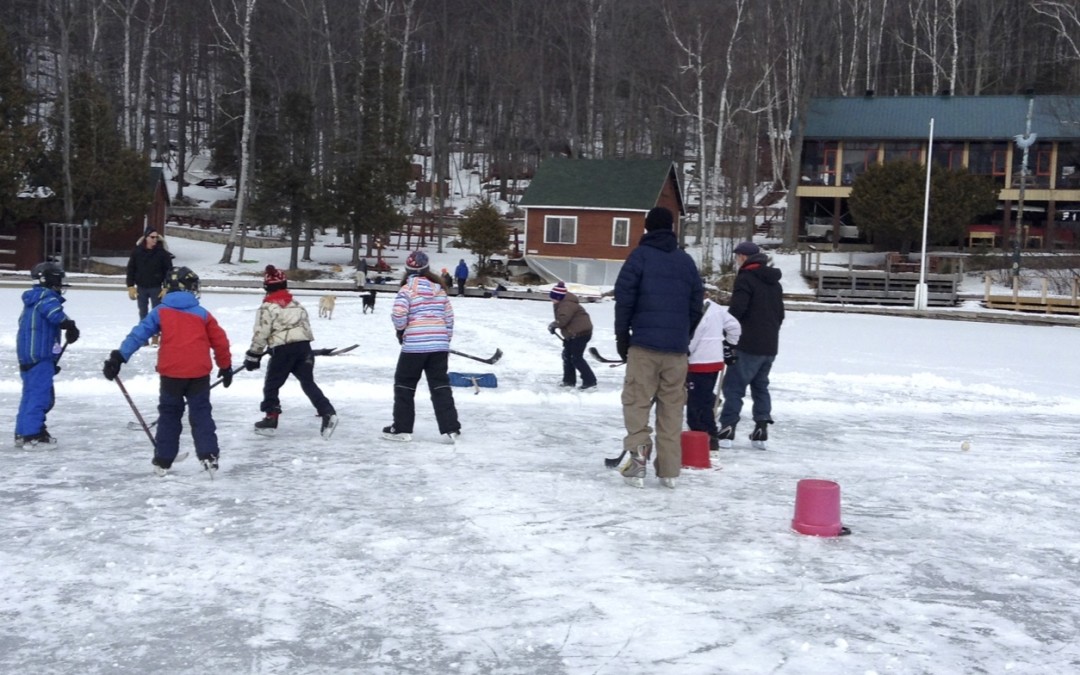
[[700, 402], [297, 360], [433, 366], [573, 360], [38, 397], [659, 376], [173, 395]]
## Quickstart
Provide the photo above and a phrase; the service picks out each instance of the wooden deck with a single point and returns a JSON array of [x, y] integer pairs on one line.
[[1043, 303], [894, 285]]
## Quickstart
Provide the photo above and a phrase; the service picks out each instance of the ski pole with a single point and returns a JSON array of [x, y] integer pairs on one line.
[[135, 410]]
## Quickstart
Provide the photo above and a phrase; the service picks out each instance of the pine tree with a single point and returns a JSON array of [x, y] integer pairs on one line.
[[483, 231], [108, 179], [20, 149]]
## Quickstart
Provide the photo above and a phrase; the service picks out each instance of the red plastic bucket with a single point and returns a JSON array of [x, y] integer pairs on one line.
[[695, 450], [817, 508]]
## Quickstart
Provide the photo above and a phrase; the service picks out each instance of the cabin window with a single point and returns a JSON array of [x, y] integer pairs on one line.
[[560, 230], [620, 232]]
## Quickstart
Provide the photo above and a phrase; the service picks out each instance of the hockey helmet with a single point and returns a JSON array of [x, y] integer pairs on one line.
[[181, 279], [49, 274]]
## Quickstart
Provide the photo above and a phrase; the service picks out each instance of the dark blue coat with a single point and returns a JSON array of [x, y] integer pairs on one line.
[[39, 325], [461, 271], [658, 295]]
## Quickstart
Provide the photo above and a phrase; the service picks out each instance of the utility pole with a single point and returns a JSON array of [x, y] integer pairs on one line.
[[1024, 143]]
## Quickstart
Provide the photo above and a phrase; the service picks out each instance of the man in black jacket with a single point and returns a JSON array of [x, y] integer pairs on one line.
[[147, 268], [757, 301]]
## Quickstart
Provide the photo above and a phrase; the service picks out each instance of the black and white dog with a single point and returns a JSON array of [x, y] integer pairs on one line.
[[368, 298]]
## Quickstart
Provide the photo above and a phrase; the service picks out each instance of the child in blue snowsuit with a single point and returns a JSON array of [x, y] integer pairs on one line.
[[38, 348]]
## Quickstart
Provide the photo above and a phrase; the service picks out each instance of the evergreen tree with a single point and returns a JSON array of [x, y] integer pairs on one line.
[[283, 172], [109, 180], [887, 204], [20, 148], [483, 231]]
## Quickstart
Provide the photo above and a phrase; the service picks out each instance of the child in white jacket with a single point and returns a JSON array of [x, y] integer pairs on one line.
[[710, 350], [282, 329]]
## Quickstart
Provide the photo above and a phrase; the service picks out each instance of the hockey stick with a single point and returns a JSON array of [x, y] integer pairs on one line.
[[615, 363], [719, 391], [135, 410], [333, 351], [494, 357], [234, 370], [613, 462]]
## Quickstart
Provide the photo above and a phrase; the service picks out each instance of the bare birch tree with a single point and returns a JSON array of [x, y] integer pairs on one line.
[[242, 14]]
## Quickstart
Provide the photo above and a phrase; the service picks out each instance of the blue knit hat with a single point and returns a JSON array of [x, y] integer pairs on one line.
[[558, 292], [417, 261]]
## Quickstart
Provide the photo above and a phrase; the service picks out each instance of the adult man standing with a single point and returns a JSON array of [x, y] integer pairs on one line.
[[757, 301], [147, 268], [658, 303]]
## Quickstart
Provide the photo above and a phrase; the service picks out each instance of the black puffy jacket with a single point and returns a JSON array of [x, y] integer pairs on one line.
[[147, 267], [757, 301]]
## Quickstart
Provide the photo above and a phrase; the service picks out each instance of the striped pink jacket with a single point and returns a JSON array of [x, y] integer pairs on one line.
[[423, 311]]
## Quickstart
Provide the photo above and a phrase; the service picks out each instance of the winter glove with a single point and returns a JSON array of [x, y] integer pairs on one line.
[[132, 293], [401, 337], [252, 361], [729, 354], [225, 374], [622, 345], [552, 326], [162, 292], [112, 364], [71, 331]]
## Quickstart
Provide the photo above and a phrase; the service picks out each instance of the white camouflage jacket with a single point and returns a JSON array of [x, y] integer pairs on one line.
[[281, 320]]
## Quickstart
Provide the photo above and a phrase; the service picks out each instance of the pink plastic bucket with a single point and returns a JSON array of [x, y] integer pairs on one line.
[[695, 450], [817, 508]]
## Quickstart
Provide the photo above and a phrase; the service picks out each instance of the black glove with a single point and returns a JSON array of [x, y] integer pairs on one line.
[[552, 326], [112, 364], [56, 370], [226, 376], [622, 345], [252, 361], [729, 354], [71, 331], [401, 337]]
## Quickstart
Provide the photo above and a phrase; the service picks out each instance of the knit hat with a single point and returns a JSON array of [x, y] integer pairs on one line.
[[558, 292], [747, 248], [273, 276], [659, 218], [417, 261]]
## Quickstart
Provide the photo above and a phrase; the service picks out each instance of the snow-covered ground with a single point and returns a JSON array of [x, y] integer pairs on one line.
[[516, 551]]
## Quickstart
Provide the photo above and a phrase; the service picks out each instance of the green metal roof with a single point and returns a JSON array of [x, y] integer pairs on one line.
[[955, 117], [631, 184]]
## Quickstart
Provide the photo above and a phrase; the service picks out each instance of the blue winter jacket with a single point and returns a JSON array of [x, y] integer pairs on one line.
[[658, 295], [461, 271], [39, 325]]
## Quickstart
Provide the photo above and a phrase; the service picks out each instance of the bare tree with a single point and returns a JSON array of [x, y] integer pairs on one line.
[[242, 13]]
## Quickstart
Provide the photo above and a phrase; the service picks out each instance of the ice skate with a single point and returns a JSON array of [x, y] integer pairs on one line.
[[725, 437], [42, 440], [759, 435], [634, 470], [267, 426], [210, 466], [392, 434], [453, 436], [668, 482], [329, 423]]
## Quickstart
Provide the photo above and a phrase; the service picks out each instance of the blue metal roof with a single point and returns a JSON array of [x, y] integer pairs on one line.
[[955, 117]]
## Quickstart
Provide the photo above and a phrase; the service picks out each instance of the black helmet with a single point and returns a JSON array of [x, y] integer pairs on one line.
[[182, 279], [48, 274]]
